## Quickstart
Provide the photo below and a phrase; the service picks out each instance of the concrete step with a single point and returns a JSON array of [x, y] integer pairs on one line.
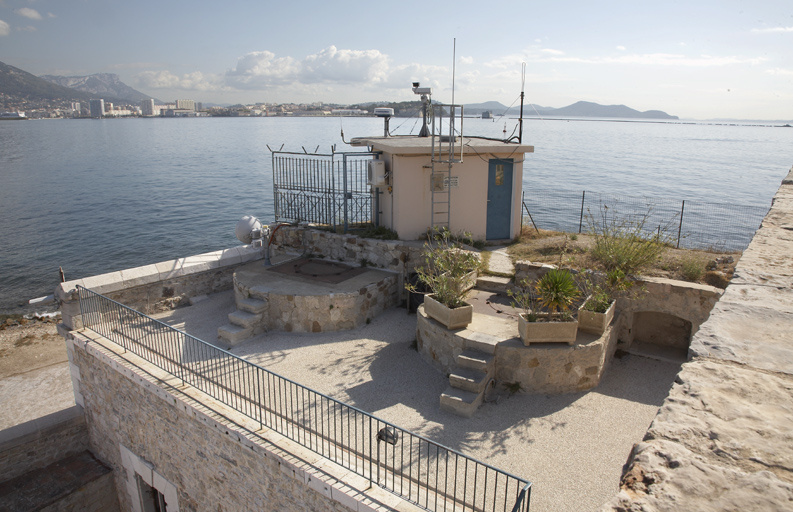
[[234, 334], [475, 360], [469, 379], [243, 318], [255, 306], [461, 403], [493, 283]]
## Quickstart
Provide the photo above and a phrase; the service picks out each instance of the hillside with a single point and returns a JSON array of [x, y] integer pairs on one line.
[[100, 85], [578, 109], [19, 85]]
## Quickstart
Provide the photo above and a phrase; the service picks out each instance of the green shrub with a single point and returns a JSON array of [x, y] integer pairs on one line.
[[692, 268], [625, 243]]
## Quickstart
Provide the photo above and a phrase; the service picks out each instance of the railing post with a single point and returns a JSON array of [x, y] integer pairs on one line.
[[581, 217], [680, 227]]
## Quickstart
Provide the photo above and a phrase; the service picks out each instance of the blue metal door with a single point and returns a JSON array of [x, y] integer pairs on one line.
[[499, 199]]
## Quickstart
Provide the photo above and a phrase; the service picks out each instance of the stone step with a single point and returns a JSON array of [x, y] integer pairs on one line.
[[260, 292], [234, 334], [480, 341], [493, 283], [475, 360], [243, 318], [461, 403], [469, 379], [251, 305]]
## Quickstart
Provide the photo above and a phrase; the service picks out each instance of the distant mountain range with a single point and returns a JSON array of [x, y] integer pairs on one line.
[[578, 109], [100, 85], [20, 87]]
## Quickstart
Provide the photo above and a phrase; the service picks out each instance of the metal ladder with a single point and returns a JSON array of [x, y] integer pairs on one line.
[[446, 151]]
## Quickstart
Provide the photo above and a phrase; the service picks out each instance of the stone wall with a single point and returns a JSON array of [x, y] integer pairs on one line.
[[723, 440], [41, 442], [205, 454]]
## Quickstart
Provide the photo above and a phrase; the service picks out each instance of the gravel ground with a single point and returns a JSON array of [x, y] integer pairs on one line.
[[572, 447]]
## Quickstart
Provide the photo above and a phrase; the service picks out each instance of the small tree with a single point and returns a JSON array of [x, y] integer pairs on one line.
[[557, 291]]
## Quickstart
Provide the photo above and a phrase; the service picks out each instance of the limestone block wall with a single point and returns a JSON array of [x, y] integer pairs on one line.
[[723, 440], [41, 442], [203, 461]]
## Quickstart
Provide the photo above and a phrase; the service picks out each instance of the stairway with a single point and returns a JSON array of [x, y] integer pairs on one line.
[[245, 322], [470, 379]]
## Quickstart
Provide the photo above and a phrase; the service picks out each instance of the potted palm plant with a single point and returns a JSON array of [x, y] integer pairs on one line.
[[447, 271], [555, 292]]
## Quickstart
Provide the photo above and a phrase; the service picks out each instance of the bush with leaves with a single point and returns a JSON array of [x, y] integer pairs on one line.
[[625, 242], [445, 265]]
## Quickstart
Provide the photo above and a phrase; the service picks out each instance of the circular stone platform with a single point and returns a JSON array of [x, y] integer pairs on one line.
[[311, 295], [552, 368]]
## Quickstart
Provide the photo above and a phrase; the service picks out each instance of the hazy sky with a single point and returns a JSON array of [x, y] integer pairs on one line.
[[695, 59]]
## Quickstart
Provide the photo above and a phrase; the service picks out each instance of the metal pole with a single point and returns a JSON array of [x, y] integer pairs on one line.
[[581, 218], [344, 174], [680, 227]]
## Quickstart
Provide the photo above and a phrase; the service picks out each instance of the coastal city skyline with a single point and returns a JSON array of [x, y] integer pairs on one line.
[[700, 60]]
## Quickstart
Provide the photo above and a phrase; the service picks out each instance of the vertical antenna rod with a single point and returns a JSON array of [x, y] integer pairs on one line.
[[522, 86]]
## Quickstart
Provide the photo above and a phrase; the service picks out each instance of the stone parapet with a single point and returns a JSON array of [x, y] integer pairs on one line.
[[160, 286], [722, 439]]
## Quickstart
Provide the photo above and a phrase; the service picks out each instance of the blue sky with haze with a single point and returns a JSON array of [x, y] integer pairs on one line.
[[695, 59]]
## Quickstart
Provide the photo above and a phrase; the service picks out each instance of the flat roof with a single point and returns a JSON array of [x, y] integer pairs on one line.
[[415, 145]]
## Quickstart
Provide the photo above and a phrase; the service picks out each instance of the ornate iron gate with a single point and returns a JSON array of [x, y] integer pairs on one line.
[[330, 189]]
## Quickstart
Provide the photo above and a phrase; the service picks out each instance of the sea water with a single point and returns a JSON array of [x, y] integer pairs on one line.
[[93, 196]]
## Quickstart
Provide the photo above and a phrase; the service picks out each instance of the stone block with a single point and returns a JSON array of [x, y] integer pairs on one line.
[[460, 402]]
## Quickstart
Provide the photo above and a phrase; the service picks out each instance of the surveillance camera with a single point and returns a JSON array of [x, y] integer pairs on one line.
[[415, 84]]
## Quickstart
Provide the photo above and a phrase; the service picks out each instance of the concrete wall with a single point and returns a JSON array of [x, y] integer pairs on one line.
[[41, 442], [408, 208]]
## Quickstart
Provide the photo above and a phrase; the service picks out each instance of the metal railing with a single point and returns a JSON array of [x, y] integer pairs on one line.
[[688, 224], [330, 189], [413, 467]]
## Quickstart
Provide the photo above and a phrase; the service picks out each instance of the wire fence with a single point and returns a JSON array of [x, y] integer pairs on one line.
[[687, 224], [413, 467]]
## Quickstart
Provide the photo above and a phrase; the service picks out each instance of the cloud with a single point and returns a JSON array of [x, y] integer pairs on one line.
[[780, 71], [466, 60], [4, 28], [549, 51], [50, 15], [774, 30], [262, 69], [345, 66], [195, 81], [27, 28], [621, 48], [27, 12]]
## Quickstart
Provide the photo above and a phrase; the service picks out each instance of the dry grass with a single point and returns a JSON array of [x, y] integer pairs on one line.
[[555, 247]]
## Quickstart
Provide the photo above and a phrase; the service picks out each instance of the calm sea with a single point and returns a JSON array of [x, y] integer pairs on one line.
[[93, 196]]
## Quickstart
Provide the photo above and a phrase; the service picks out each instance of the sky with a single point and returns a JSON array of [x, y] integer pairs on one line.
[[695, 59]]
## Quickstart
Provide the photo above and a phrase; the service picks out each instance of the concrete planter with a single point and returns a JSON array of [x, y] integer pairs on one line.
[[546, 332], [595, 323], [466, 282], [451, 318]]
